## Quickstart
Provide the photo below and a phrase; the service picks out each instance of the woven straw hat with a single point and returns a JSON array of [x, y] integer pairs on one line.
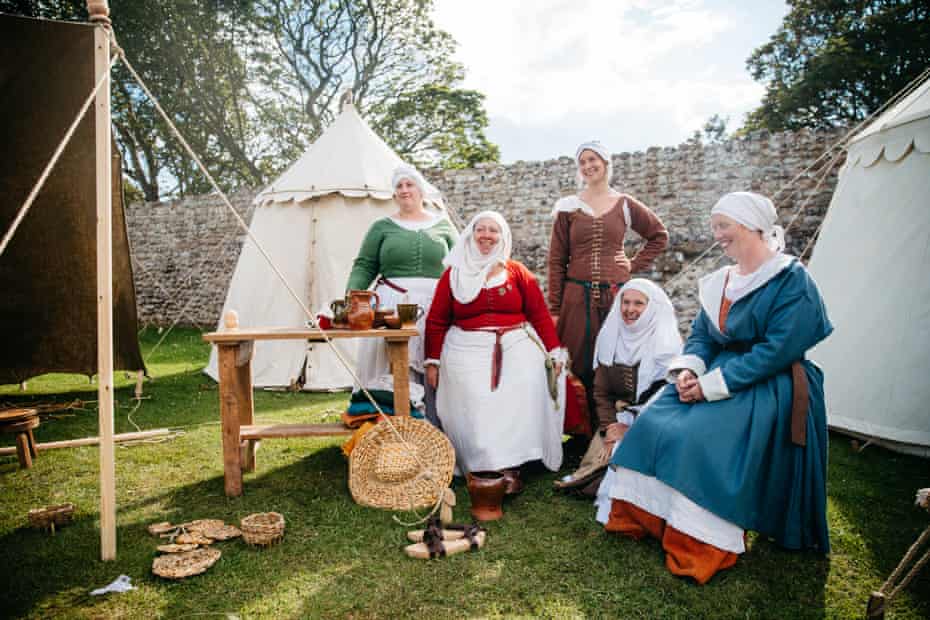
[[384, 472]]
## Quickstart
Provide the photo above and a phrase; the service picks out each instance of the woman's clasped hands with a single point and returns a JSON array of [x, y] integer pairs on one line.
[[689, 388]]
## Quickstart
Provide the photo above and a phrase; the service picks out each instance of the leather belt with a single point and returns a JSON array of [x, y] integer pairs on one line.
[[389, 284], [497, 355]]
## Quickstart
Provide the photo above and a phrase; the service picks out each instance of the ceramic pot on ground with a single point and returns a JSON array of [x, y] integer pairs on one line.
[[486, 489], [361, 312]]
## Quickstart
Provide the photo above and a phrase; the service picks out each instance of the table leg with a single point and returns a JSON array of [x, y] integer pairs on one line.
[[400, 368], [245, 401], [229, 417], [23, 453]]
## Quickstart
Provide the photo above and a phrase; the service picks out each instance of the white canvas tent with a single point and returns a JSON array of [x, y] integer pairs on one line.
[[871, 262], [312, 221]]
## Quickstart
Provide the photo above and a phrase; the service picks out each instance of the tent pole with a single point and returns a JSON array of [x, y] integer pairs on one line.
[[99, 14]]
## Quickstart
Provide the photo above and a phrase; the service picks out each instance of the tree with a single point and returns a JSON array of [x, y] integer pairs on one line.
[[251, 84], [393, 58], [834, 62], [188, 54]]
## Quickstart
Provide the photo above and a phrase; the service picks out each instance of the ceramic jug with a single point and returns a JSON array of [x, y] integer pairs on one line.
[[360, 312], [486, 489]]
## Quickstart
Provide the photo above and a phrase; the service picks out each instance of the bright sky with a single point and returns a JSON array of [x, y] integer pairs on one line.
[[631, 73]]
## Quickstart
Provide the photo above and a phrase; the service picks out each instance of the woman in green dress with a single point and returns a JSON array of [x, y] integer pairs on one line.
[[402, 256]]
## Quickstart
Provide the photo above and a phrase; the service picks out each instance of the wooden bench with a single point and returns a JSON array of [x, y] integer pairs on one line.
[[237, 416]]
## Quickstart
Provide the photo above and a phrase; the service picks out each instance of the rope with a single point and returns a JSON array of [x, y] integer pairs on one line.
[[911, 553], [242, 224], [841, 143], [54, 160]]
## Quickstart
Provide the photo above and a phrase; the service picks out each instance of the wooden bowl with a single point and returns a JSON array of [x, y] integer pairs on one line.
[[392, 321], [380, 315]]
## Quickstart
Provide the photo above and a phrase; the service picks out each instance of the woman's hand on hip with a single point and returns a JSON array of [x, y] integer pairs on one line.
[[432, 376]]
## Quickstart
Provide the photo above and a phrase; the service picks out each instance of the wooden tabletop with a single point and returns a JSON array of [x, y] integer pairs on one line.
[[305, 333]]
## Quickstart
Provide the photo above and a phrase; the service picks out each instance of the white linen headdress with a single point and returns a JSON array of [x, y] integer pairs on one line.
[[470, 267], [602, 152], [755, 212], [652, 340], [406, 171]]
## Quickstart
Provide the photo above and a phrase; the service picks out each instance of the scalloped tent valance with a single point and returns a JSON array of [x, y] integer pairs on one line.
[[870, 263]]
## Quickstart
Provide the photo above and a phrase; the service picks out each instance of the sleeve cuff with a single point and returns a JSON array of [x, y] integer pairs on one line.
[[686, 362], [431, 361], [625, 417], [714, 386]]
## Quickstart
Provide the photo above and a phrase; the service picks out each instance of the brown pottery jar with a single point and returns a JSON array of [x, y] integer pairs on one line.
[[486, 489]]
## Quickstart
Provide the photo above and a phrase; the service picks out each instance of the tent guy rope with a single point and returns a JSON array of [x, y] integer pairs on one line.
[[311, 319], [54, 159]]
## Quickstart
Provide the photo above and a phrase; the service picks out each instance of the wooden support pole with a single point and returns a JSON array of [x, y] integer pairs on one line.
[[99, 14], [92, 441]]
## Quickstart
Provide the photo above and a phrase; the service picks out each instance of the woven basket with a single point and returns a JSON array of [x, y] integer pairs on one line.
[[50, 517], [385, 472], [181, 565], [262, 528]]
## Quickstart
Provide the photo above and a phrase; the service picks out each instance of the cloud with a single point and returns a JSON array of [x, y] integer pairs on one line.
[[551, 65]]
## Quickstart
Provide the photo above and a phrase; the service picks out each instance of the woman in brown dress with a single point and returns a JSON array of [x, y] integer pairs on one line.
[[587, 264]]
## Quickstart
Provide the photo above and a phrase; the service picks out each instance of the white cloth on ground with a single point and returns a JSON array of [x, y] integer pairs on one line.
[[509, 426], [118, 585]]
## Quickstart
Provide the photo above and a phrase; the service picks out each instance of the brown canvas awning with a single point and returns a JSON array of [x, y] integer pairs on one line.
[[48, 308]]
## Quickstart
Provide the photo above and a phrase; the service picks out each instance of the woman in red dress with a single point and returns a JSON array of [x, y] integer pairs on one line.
[[488, 337]]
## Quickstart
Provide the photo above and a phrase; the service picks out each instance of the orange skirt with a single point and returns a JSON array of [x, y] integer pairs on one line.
[[684, 554]]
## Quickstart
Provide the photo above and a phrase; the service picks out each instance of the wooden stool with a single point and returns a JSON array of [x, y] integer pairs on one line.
[[21, 422]]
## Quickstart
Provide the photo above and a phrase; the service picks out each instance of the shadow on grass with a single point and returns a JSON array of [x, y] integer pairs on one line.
[[874, 517], [546, 558]]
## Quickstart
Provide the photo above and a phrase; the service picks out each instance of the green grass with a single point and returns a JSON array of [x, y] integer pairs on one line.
[[546, 558]]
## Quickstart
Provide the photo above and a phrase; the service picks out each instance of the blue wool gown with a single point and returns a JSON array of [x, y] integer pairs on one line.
[[734, 457]]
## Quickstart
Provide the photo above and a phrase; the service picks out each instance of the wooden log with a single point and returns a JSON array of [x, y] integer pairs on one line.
[[92, 441]]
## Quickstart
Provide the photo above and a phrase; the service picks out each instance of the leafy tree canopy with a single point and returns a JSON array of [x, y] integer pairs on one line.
[[834, 62], [251, 84]]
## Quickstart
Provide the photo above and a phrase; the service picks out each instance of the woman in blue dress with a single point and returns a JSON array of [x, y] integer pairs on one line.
[[739, 441]]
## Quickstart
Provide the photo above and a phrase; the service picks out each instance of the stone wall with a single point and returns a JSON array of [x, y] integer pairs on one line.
[[184, 252]]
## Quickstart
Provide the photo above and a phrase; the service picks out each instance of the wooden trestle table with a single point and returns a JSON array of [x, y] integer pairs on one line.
[[240, 433]]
